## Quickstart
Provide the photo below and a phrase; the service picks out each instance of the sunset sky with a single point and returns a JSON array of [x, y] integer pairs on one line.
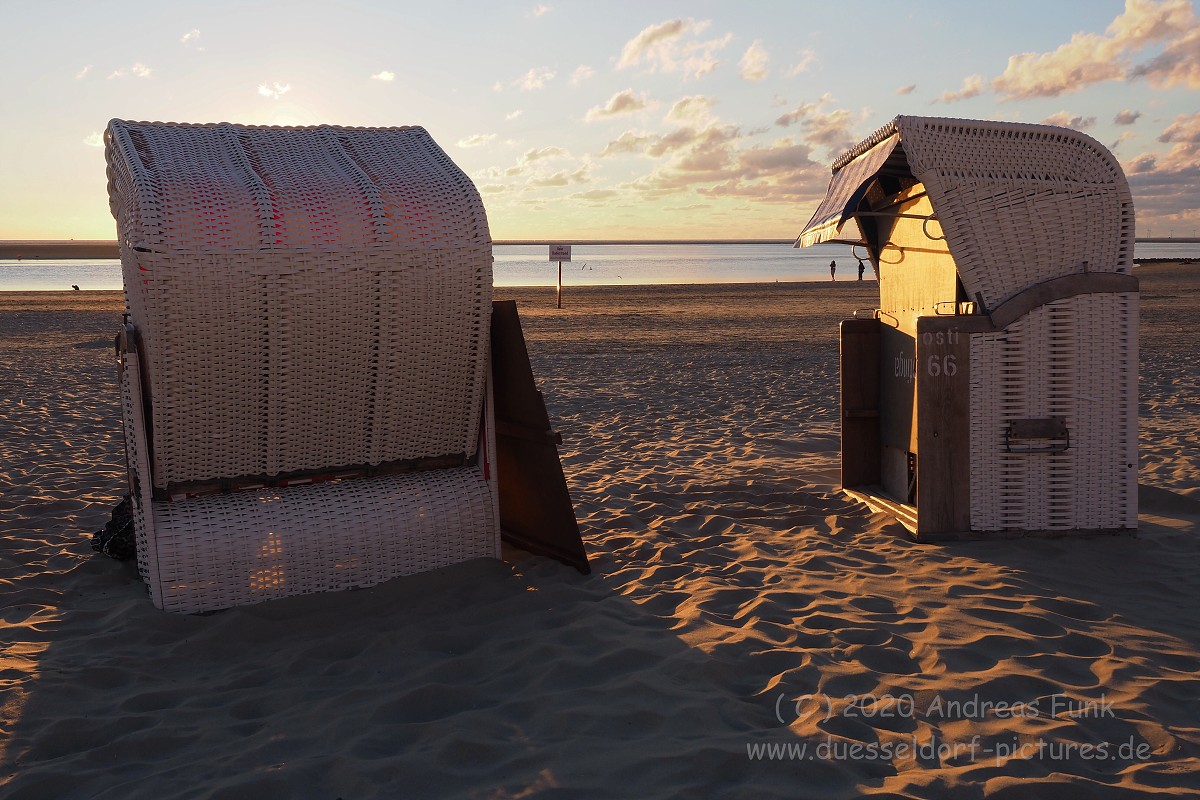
[[600, 120]]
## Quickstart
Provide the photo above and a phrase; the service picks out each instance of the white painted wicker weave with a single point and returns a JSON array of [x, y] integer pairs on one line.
[[1019, 206], [1075, 359], [305, 300]]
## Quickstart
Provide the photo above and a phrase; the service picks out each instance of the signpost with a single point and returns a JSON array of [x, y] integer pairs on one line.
[[560, 253]]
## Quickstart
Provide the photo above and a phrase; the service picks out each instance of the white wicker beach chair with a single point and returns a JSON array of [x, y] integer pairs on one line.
[[994, 392], [305, 368]]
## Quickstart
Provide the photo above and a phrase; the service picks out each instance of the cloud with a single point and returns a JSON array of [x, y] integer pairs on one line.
[[690, 145], [541, 10], [698, 154], [533, 164], [972, 86], [716, 160], [832, 130], [138, 70], [783, 155], [713, 165], [275, 90], [650, 39], [1126, 117], [1184, 156], [94, 139], [387, 76], [624, 102], [690, 108], [536, 78], [675, 140], [754, 62], [1063, 119], [802, 111], [1185, 129], [497, 173], [545, 152], [559, 178], [510, 116], [672, 46], [562, 178], [190, 37], [1090, 58], [627, 142], [782, 172], [808, 57], [83, 72], [476, 140], [596, 195], [1124, 137], [1171, 199], [581, 74], [1177, 64], [1167, 187], [903, 90]]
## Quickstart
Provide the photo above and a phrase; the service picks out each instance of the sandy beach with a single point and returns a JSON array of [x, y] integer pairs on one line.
[[747, 631]]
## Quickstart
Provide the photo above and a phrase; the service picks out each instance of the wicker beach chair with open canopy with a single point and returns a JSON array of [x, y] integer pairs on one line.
[[994, 390], [306, 360]]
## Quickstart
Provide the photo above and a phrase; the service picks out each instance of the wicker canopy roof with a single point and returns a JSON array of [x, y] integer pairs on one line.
[[1018, 203], [224, 187]]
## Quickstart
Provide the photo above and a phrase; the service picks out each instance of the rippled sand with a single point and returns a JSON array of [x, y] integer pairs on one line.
[[746, 632]]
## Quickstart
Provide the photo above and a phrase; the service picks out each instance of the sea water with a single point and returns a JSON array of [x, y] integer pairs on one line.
[[590, 265]]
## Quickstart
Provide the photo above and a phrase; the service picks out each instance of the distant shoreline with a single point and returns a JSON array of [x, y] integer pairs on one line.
[[104, 248], [39, 249], [13, 298], [33, 249]]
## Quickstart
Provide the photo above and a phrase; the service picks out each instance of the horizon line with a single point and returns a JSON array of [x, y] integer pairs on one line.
[[107, 248]]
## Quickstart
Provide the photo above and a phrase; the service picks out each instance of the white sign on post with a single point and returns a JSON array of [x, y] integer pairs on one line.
[[560, 252]]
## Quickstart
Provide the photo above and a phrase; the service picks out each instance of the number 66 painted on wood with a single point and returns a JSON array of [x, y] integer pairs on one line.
[[946, 365]]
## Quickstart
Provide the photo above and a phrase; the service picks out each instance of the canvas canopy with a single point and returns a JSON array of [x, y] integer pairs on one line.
[[846, 190]]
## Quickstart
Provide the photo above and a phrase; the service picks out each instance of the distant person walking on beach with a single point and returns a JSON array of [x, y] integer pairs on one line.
[[861, 269], [833, 270]]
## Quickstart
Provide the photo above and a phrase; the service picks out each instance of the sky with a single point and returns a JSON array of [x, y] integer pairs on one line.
[[590, 120]]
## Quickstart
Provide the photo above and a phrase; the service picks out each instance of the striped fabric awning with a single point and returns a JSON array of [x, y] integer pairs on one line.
[[846, 189]]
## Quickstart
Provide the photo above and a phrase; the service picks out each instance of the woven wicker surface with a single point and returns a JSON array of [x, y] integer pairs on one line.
[[1021, 204], [240, 548], [259, 367], [1075, 359], [304, 299], [218, 551], [222, 187]]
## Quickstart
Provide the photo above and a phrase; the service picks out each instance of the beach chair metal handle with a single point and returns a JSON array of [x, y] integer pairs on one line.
[[1048, 435]]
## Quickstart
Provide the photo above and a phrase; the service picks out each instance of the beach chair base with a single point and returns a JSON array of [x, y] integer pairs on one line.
[[222, 550], [240, 548], [874, 498]]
